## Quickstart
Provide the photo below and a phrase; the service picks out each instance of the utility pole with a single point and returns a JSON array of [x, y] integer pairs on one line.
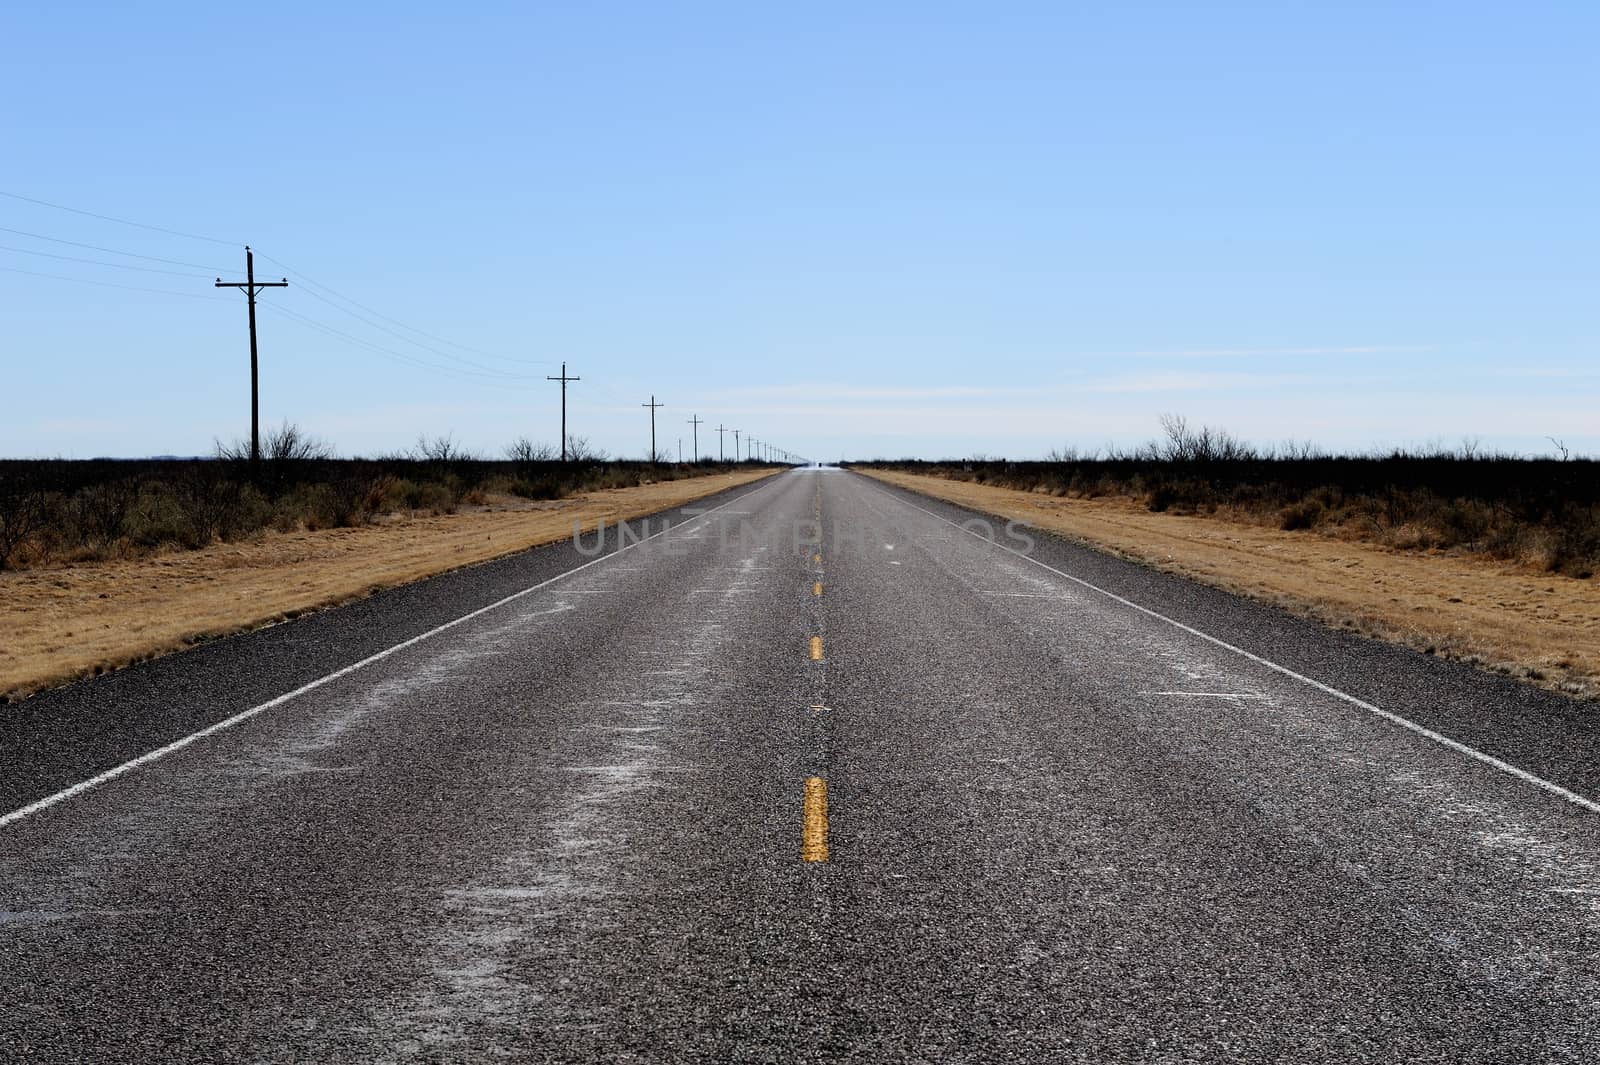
[[250, 287], [720, 456], [694, 456], [680, 451], [736, 445], [563, 379], [652, 405]]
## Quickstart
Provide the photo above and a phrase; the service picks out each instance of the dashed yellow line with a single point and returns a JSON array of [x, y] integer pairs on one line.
[[814, 822], [816, 648], [817, 558], [816, 589]]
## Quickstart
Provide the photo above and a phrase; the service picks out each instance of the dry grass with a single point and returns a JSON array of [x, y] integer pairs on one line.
[[66, 622], [1505, 616]]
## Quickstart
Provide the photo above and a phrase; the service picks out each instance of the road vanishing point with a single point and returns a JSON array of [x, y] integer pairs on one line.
[[816, 770]]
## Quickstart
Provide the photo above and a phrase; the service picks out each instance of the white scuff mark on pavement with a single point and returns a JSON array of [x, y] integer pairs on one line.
[[497, 963], [296, 754], [1210, 695], [1031, 595]]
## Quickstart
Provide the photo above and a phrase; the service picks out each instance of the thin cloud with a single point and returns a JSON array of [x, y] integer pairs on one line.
[[1173, 381], [835, 392], [1268, 353]]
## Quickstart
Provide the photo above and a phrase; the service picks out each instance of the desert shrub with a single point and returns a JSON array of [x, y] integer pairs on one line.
[[216, 506], [1537, 510], [543, 488], [101, 511], [53, 510], [156, 519], [1461, 521], [1510, 539], [428, 495], [1306, 514], [1574, 548], [22, 514]]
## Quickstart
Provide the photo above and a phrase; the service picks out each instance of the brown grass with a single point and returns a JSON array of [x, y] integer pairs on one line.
[[63, 623], [1503, 616]]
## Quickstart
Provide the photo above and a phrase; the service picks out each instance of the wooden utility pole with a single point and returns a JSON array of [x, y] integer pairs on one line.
[[250, 286], [736, 445], [721, 456], [563, 379], [652, 405], [694, 456]]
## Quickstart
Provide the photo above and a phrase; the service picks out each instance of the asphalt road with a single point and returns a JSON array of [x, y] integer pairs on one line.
[[726, 794]]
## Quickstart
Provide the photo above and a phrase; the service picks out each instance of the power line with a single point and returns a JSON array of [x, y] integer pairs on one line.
[[112, 251], [403, 357], [301, 276], [119, 221], [486, 370], [98, 262], [112, 284], [309, 281], [394, 321]]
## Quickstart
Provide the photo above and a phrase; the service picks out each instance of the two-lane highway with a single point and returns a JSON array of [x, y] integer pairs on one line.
[[819, 774]]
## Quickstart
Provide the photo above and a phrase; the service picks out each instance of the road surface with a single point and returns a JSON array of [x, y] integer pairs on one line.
[[819, 775]]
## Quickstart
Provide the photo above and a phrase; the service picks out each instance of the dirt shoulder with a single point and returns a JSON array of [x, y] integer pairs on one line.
[[62, 623], [1502, 616]]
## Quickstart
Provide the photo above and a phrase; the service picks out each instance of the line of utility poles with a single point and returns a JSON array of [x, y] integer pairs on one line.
[[250, 286]]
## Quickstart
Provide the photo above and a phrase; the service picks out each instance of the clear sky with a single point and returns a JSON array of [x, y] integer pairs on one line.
[[852, 229]]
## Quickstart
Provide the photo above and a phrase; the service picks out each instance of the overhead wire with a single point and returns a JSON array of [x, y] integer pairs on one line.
[[468, 370], [119, 221], [487, 370], [314, 284], [112, 251], [110, 284], [100, 262], [390, 353]]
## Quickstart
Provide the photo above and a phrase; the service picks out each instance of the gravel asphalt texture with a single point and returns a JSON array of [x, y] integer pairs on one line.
[[569, 827]]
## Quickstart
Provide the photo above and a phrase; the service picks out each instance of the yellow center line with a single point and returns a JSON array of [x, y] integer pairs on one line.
[[814, 822], [816, 558], [816, 648], [816, 589]]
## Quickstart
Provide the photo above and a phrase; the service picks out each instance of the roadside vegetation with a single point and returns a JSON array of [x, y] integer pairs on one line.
[[1540, 511], [57, 511]]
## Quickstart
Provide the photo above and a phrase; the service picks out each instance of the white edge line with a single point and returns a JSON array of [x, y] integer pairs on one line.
[[177, 745], [1388, 715]]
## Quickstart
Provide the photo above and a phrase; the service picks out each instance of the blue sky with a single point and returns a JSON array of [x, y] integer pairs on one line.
[[859, 230]]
